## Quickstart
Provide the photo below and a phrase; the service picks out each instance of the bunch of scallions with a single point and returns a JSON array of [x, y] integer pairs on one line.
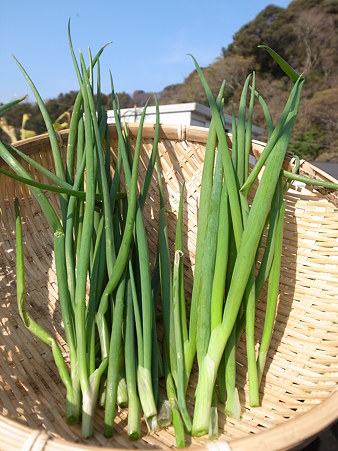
[[108, 294]]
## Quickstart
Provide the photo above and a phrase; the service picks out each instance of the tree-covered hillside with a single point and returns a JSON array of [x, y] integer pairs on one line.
[[304, 34]]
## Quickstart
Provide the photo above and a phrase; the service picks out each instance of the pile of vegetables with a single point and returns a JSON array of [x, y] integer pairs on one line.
[[111, 301]]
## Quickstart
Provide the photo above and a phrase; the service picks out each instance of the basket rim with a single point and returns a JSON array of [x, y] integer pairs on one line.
[[290, 433], [177, 132]]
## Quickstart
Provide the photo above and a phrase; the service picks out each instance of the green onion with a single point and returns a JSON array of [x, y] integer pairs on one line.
[[242, 269], [88, 403], [170, 386], [134, 406], [144, 364], [165, 271], [181, 371], [115, 350], [309, 181], [232, 404], [241, 132], [272, 296], [36, 329], [206, 187], [209, 257], [179, 247]]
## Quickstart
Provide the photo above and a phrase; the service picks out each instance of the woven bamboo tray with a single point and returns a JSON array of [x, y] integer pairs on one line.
[[298, 391]]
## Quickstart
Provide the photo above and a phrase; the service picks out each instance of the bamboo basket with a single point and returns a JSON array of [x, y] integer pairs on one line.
[[299, 387]]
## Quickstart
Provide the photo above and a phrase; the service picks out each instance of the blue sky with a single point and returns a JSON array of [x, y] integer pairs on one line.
[[150, 40]]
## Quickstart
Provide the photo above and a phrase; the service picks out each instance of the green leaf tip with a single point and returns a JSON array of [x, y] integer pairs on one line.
[[6, 106], [284, 65]]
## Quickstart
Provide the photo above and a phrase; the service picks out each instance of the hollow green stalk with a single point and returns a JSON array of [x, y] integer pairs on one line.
[[181, 370], [76, 119], [97, 272], [234, 139], [250, 307], [209, 256], [144, 382], [153, 157], [165, 271], [213, 428], [179, 247], [265, 266], [44, 186], [70, 230], [221, 262], [114, 352], [241, 144], [227, 370], [295, 170], [266, 112], [144, 370], [248, 130], [122, 392], [134, 406], [249, 300], [272, 296], [171, 393], [232, 403], [309, 180]]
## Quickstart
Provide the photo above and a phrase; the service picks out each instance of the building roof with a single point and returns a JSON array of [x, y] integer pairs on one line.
[[190, 113]]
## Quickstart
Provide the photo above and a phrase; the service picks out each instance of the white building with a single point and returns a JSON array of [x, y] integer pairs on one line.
[[179, 113]]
